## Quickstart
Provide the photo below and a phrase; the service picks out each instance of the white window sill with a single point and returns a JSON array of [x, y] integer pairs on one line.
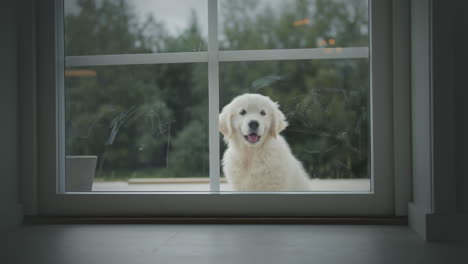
[[196, 184]]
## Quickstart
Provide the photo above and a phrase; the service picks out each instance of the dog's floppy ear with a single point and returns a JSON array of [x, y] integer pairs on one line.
[[225, 126], [278, 122]]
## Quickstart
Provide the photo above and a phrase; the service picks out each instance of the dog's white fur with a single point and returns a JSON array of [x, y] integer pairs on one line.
[[267, 165]]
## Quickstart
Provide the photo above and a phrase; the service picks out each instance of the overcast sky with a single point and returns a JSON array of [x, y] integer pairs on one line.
[[175, 13]]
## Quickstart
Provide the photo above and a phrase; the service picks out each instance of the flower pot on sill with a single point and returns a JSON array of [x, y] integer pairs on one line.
[[80, 172]]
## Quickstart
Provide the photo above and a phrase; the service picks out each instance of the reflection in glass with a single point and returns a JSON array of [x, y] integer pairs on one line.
[[325, 103], [142, 121], [292, 24], [129, 27]]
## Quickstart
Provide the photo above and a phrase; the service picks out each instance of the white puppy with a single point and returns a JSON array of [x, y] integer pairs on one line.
[[257, 157]]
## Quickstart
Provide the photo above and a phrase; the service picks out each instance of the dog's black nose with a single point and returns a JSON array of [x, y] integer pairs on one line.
[[253, 124]]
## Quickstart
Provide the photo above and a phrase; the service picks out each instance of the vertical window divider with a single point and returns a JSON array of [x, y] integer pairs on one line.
[[60, 94], [213, 95]]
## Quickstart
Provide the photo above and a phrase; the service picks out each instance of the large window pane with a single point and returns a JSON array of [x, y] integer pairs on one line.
[[291, 24], [326, 103], [140, 26], [136, 124]]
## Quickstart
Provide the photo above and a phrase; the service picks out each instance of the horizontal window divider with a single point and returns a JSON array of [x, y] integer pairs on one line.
[[129, 59], [294, 54], [224, 56]]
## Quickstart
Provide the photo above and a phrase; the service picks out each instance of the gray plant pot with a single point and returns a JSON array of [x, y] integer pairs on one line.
[[80, 172]]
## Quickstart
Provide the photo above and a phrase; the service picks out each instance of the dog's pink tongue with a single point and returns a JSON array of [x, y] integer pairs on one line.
[[253, 137]]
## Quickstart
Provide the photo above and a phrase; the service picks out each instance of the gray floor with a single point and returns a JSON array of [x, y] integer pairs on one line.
[[224, 244]]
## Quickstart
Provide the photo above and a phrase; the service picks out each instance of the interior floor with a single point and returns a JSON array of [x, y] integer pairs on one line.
[[148, 243]]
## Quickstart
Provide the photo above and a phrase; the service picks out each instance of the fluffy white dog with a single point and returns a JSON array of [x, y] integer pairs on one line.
[[258, 157]]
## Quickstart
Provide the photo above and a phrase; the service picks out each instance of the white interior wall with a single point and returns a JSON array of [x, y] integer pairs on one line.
[[461, 105], [8, 116], [438, 41]]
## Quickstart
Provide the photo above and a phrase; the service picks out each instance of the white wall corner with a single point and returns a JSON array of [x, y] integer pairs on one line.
[[401, 106], [421, 118], [417, 219]]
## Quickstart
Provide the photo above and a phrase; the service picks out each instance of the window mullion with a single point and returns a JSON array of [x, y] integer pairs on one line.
[[213, 94], [136, 59], [60, 93]]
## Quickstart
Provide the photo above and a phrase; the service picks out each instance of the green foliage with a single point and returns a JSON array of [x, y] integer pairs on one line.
[[152, 120], [190, 155]]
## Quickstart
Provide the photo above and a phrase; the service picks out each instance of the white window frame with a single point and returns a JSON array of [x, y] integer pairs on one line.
[[53, 201]]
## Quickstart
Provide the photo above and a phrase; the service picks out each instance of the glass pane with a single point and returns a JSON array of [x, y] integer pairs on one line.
[[291, 24], [134, 26], [326, 103], [137, 128]]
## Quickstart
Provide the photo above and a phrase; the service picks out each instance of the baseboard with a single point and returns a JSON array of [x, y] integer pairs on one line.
[[447, 227], [397, 220]]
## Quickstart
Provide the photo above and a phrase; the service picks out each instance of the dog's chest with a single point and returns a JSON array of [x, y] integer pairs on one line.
[[254, 172]]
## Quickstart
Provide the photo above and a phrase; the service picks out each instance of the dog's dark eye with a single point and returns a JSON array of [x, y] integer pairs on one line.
[[243, 112], [262, 113]]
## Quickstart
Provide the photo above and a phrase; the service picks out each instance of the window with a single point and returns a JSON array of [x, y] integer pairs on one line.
[[125, 117], [139, 96]]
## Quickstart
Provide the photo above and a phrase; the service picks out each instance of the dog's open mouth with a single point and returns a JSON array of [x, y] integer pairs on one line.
[[252, 138]]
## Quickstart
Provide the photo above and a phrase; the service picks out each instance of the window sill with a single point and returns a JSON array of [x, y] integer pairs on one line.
[[202, 184]]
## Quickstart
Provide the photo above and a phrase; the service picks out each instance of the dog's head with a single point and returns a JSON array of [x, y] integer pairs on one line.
[[251, 118]]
